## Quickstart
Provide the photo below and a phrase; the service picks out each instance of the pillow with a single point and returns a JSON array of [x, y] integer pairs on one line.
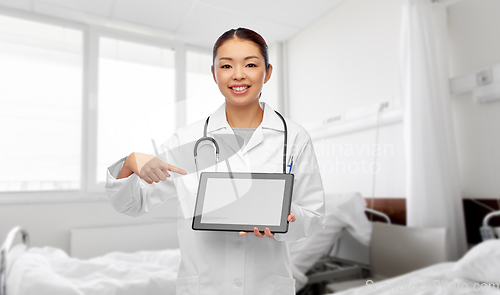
[[350, 208], [481, 263]]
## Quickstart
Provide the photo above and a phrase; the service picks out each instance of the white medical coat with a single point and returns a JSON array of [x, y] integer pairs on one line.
[[225, 262]]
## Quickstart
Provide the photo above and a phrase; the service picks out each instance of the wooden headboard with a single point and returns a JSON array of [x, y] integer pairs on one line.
[[394, 208]]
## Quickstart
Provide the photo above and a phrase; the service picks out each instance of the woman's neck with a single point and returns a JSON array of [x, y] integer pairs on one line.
[[249, 116]]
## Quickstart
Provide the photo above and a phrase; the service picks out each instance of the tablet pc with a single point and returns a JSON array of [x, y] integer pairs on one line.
[[240, 201]]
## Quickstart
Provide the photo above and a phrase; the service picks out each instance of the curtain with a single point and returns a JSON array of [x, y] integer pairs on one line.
[[433, 187]]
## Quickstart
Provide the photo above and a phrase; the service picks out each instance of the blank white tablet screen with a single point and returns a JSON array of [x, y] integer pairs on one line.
[[243, 201]]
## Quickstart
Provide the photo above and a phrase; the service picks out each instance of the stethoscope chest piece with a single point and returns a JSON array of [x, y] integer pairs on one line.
[[211, 139]]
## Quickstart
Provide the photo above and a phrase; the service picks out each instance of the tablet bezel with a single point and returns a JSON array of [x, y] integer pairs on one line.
[[285, 208]]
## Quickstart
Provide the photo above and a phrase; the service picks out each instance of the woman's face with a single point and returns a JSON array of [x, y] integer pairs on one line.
[[240, 71]]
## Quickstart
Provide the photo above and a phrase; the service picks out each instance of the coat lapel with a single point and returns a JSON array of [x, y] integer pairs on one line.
[[220, 130], [269, 121]]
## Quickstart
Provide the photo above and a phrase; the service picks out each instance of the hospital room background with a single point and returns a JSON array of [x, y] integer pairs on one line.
[[401, 99]]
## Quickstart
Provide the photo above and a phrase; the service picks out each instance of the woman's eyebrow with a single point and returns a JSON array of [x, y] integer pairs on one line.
[[248, 57]]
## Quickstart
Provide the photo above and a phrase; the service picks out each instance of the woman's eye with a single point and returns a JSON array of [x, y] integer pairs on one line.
[[226, 66], [251, 65]]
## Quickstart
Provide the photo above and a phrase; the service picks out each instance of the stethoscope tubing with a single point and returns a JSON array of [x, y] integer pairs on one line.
[[205, 137]]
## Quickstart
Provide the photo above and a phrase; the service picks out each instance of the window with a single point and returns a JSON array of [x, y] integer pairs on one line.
[[41, 106], [43, 72], [135, 100], [203, 95]]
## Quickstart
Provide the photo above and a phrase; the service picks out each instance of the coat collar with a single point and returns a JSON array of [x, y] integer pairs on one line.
[[218, 119], [218, 125]]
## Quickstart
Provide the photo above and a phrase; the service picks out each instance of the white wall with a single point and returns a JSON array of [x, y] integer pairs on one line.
[[346, 60], [346, 162], [349, 58], [474, 29], [271, 92]]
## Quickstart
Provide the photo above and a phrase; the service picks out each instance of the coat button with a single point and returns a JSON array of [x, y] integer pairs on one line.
[[238, 284], [238, 244]]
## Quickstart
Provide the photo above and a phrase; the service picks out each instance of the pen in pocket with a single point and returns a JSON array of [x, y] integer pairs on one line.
[[290, 164]]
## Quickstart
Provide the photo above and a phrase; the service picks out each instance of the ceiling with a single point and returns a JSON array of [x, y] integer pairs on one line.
[[196, 22]]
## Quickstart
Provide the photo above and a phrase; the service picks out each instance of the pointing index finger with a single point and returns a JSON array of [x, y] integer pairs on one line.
[[176, 169]]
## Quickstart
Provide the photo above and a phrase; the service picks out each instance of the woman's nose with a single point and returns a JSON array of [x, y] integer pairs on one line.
[[238, 73]]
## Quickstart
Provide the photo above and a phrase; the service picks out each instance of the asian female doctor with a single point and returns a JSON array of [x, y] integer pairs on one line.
[[227, 262]]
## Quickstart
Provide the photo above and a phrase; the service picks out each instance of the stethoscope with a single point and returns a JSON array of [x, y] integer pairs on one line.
[[211, 139]]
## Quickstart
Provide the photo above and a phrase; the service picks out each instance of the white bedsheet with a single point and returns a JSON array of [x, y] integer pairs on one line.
[[50, 271], [435, 279]]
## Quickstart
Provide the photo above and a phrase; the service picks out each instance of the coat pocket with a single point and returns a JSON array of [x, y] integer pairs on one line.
[[188, 285], [284, 286]]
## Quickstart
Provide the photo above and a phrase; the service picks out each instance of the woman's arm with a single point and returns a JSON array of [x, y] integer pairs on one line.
[[308, 201], [127, 167], [139, 182]]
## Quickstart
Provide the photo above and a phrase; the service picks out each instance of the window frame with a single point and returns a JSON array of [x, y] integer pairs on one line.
[[90, 190], [92, 74]]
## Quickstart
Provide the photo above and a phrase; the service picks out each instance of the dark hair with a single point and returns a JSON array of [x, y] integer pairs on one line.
[[244, 34]]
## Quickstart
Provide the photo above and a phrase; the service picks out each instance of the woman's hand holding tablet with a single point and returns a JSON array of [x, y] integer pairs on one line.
[[267, 231]]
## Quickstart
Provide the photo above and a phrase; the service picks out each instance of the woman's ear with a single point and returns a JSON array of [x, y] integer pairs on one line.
[[268, 73], [213, 74]]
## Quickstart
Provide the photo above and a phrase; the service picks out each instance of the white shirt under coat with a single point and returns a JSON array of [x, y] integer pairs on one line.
[[225, 262]]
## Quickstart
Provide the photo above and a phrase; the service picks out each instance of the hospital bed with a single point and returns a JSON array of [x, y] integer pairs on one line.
[[347, 259], [477, 272], [48, 270], [396, 249], [488, 232]]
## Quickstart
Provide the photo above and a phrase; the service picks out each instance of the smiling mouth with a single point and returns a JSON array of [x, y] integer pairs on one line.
[[240, 88]]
